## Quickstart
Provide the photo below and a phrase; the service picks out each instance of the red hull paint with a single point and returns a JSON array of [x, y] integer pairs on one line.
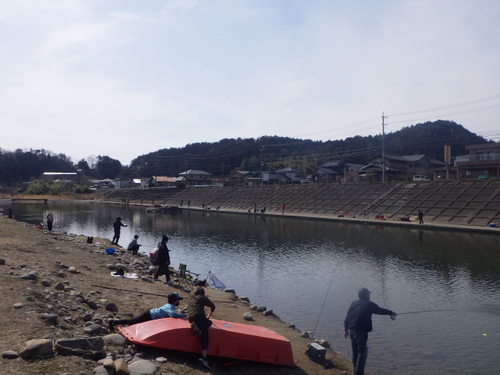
[[227, 339]]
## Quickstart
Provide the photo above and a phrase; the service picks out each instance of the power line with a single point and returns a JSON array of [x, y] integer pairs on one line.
[[462, 104]]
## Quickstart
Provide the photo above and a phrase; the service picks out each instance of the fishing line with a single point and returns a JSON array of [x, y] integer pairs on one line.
[[330, 286]]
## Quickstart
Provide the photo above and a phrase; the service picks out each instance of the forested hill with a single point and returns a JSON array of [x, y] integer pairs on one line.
[[266, 153], [219, 158]]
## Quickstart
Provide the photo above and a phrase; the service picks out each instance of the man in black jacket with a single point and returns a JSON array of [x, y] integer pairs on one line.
[[163, 260], [358, 323]]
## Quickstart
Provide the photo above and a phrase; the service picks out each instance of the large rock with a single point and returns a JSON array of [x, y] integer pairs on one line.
[[10, 354], [101, 370], [114, 339], [30, 276], [37, 348], [248, 316], [142, 367], [91, 348], [110, 306], [121, 367], [94, 329], [49, 318]]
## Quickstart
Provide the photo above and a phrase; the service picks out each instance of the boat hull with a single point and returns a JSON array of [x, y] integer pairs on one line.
[[227, 339]]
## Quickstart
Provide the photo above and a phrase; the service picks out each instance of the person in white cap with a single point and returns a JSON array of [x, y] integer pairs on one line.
[[358, 323]]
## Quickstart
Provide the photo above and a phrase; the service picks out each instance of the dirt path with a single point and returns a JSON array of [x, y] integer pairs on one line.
[[27, 249]]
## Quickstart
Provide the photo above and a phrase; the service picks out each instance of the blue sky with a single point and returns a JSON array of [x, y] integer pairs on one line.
[[124, 78]]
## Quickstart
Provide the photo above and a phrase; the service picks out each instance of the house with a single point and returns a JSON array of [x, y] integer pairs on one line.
[[293, 175], [271, 178], [238, 177], [102, 184], [330, 171], [164, 181], [142, 182], [395, 168], [122, 183], [193, 177], [482, 162]]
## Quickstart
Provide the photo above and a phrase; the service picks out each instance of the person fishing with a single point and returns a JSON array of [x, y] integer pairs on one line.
[[358, 323], [117, 226], [134, 246], [50, 221], [197, 301], [165, 311]]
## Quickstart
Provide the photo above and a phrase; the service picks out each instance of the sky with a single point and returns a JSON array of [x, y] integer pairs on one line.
[[123, 78]]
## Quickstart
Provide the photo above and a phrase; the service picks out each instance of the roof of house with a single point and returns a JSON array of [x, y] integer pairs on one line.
[[195, 171], [288, 169], [164, 179], [414, 157]]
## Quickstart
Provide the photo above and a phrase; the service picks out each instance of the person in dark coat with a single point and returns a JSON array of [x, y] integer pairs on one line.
[[358, 323], [50, 220], [163, 260], [420, 217], [117, 226]]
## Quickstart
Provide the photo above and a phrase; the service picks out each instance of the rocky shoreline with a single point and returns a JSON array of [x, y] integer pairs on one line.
[[59, 294]]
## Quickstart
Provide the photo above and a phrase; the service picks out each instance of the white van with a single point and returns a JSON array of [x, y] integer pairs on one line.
[[420, 178]]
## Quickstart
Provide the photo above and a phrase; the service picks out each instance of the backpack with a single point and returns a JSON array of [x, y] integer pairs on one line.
[[153, 257]]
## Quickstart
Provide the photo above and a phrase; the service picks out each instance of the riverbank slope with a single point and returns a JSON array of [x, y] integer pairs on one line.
[[83, 270]]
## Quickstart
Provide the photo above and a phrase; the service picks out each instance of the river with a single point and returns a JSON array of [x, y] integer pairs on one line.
[[446, 284]]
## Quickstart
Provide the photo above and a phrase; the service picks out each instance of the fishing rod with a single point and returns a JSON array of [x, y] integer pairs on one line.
[[393, 317], [424, 311], [128, 290]]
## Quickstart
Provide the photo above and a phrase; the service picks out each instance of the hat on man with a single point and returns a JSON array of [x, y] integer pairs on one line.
[[176, 295], [172, 297], [136, 236]]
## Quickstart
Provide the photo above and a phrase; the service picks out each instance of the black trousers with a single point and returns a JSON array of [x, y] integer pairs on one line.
[[359, 350], [143, 317]]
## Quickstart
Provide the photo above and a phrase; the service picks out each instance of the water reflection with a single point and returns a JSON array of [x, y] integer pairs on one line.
[[297, 266]]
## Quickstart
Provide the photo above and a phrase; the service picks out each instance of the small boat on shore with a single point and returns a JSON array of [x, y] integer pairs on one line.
[[227, 339]]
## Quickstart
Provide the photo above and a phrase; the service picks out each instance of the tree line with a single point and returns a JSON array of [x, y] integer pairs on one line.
[[266, 153]]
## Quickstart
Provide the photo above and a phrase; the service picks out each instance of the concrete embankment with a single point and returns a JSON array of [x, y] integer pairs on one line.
[[451, 205]]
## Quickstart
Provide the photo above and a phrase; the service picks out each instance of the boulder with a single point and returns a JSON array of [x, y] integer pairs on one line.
[[121, 367], [110, 306], [37, 348], [30, 276], [90, 348], [10, 354], [248, 316], [142, 367], [49, 318]]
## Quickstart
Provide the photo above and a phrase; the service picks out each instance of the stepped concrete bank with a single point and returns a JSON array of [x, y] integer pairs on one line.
[[455, 205]]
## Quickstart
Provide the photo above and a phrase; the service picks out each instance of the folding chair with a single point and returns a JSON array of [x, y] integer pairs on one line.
[[186, 278]]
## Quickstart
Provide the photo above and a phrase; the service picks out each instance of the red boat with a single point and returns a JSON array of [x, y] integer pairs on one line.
[[227, 339]]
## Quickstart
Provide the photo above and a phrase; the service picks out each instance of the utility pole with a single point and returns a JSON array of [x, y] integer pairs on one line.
[[383, 146], [261, 167]]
